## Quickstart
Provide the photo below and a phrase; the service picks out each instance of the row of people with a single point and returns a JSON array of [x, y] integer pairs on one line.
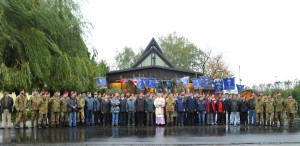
[[171, 109]]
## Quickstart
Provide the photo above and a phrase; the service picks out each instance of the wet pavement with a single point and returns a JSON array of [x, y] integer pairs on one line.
[[143, 135]]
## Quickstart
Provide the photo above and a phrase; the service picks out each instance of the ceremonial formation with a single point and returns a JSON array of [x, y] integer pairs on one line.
[[73, 109]]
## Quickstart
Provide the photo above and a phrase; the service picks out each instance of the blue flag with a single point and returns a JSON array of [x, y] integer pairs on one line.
[[218, 85], [240, 88], [149, 82], [158, 84], [196, 83], [140, 84], [229, 83], [206, 81], [169, 84], [185, 81], [101, 82]]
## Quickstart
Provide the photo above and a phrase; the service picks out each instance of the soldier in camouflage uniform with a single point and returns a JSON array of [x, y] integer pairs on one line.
[[21, 107], [81, 104], [279, 109], [43, 110], [269, 105], [170, 108], [259, 108], [291, 109], [55, 109], [64, 110], [34, 107]]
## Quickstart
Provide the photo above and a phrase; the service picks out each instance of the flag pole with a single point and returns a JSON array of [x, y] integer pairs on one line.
[[240, 75]]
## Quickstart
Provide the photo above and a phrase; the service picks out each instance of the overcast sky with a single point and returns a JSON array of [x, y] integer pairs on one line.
[[261, 36]]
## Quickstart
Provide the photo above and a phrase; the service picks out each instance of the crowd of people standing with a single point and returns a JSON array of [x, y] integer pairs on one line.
[[74, 109]]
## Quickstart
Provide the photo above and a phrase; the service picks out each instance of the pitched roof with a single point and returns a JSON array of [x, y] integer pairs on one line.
[[152, 47]]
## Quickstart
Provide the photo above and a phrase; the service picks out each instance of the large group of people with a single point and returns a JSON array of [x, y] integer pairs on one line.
[[74, 109]]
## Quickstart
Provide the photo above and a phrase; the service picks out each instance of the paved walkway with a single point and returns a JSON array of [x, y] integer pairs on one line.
[[139, 135]]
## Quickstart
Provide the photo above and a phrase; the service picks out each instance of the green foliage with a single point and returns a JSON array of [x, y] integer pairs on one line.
[[41, 46], [181, 52], [296, 95], [114, 90], [126, 58]]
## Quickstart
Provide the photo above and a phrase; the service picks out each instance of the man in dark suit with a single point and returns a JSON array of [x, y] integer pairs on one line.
[[191, 106]]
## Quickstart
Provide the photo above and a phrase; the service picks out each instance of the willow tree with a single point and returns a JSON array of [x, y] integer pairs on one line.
[[41, 46]]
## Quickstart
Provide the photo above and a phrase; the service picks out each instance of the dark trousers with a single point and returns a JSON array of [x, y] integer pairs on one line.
[[131, 118], [106, 118], [122, 118], [244, 118], [221, 118], [96, 117], [180, 117], [88, 117], [228, 116], [149, 118], [140, 117], [191, 118]]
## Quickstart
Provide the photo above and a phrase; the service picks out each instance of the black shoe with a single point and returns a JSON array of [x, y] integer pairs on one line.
[[1, 127], [25, 127]]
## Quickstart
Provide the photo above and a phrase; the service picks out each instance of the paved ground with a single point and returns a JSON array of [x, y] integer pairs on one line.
[[207, 135]]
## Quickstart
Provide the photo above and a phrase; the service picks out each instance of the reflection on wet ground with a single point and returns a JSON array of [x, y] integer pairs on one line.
[[154, 135]]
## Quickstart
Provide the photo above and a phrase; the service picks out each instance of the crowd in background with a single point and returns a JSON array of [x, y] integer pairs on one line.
[[74, 109]]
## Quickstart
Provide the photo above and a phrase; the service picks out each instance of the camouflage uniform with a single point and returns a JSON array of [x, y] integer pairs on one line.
[[259, 108], [81, 104], [170, 107], [279, 108], [43, 110], [21, 107], [64, 111], [34, 107], [291, 110], [269, 105], [55, 111]]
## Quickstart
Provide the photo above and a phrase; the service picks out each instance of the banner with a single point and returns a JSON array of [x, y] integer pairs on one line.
[[229, 83], [158, 84], [185, 81], [149, 82], [169, 84], [206, 81], [240, 88], [101, 82], [218, 85], [140, 84], [196, 83]]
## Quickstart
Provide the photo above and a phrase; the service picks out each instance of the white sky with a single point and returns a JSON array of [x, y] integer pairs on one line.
[[262, 36]]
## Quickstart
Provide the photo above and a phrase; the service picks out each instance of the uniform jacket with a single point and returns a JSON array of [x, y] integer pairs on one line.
[[55, 104], [64, 104], [170, 104], [34, 102], [43, 106], [269, 105], [291, 106]]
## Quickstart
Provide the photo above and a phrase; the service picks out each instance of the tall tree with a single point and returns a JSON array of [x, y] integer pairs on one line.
[[127, 57], [181, 52], [41, 46], [217, 68]]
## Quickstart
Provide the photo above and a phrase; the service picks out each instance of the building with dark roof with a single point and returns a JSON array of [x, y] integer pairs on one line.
[[152, 63]]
